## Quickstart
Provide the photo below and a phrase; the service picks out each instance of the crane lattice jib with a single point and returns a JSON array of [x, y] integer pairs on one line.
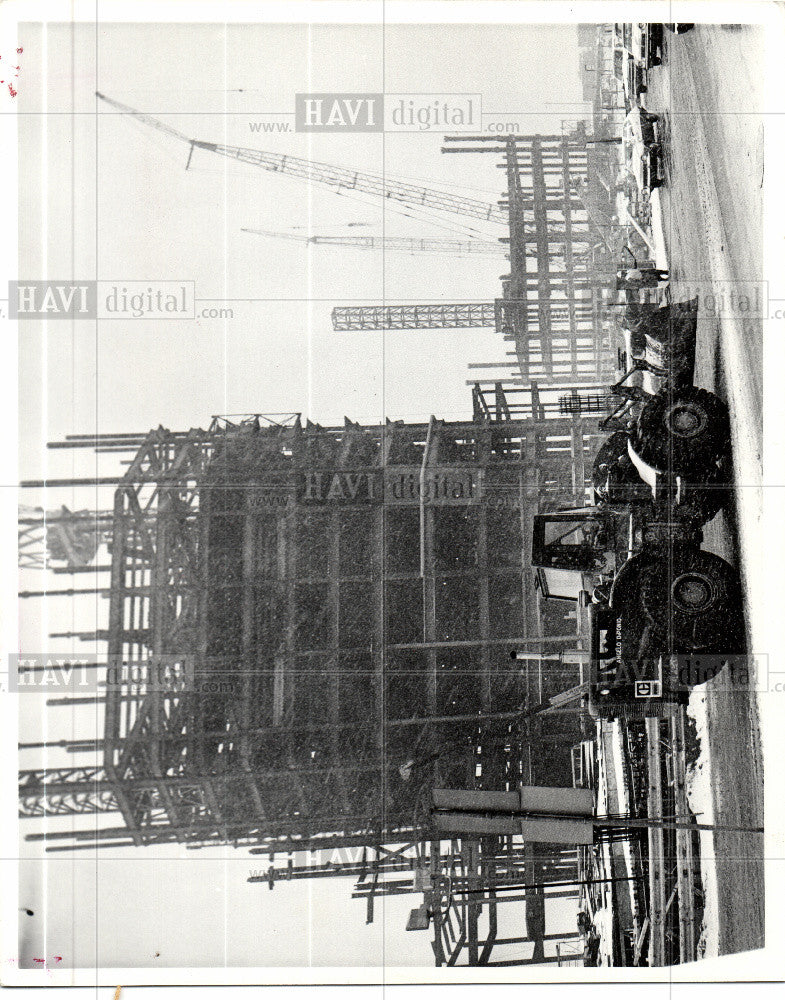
[[341, 179], [337, 178], [411, 244], [405, 244]]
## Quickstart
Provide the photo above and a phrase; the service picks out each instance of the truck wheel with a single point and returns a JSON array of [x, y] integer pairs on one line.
[[683, 431], [702, 506], [693, 600], [657, 171]]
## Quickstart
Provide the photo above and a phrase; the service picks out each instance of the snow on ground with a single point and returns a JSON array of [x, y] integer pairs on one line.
[[699, 794], [603, 924], [699, 797], [624, 801], [603, 807], [658, 231]]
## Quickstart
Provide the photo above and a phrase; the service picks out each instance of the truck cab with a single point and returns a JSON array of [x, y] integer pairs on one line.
[[573, 548], [565, 550], [654, 600]]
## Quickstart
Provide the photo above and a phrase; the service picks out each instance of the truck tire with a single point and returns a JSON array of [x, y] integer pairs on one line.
[[656, 169], [683, 431], [702, 501], [703, 505], [693, 600]]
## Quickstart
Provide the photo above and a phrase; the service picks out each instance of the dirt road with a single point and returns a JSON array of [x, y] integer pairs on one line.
[[709, 93]]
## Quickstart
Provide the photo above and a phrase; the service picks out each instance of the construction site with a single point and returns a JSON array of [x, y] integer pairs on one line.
[[328, 646]]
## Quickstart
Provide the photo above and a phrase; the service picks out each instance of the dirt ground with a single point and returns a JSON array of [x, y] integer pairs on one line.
[[709, 92]]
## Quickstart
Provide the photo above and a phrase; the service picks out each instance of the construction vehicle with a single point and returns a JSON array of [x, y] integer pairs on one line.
[[662, 614]]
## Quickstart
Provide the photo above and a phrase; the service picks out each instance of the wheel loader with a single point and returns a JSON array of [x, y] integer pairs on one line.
[[662, 613]]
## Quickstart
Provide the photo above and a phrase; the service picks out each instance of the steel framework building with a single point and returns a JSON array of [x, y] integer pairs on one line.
[[325, 616], [552, 297]]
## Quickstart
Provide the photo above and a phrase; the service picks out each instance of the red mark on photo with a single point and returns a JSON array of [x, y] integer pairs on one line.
[[11, 89]]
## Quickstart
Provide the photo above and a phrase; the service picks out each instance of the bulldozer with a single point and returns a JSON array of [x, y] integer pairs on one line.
[[662, 613]]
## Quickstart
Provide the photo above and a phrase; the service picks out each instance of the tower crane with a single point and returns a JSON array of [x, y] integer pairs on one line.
[[442, 315], [336, 178]]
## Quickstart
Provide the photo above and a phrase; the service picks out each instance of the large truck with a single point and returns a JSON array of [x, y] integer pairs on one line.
[[662, 613]]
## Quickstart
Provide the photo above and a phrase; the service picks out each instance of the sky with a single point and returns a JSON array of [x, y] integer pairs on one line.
[[104, 196]]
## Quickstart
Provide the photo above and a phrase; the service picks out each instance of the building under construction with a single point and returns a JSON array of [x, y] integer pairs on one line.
[[327, 613], [310, 628], [554, 297]]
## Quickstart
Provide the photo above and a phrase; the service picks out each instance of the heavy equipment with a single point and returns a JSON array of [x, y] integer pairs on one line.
[[662, 614]]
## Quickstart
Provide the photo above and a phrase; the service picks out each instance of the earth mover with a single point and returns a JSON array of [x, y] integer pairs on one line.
[[662, 613]]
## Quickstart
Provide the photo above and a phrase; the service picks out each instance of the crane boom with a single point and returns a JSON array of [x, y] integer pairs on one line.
[[405, 244], [336, 178], [142, 117]]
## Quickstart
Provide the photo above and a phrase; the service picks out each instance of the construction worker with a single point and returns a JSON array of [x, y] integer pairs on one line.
[[641, 277]]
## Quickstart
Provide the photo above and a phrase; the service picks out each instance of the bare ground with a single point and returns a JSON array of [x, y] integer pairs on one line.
[[708, 91]]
